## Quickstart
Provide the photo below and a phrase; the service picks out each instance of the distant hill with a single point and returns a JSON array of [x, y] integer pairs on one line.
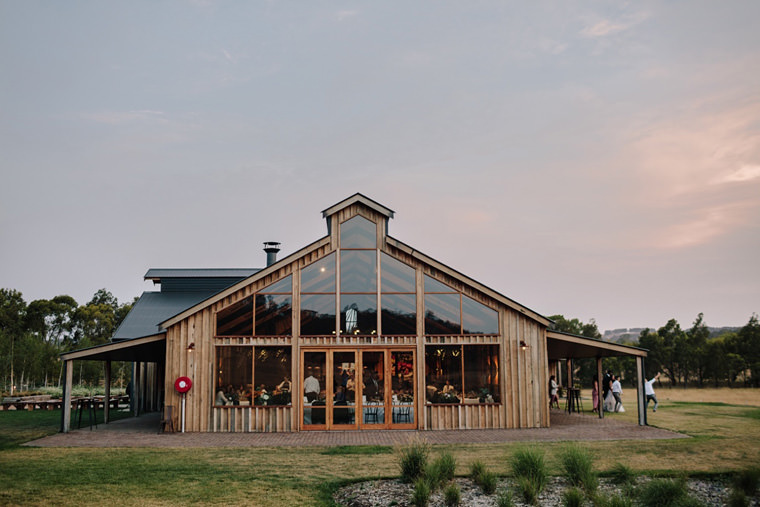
[[631, 334]]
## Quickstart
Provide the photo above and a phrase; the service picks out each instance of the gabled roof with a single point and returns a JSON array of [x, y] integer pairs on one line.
[[357, 197]]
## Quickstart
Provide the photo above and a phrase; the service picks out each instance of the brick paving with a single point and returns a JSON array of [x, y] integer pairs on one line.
[[143, 432]]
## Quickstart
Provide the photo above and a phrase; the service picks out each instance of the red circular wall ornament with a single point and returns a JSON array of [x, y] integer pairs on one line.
[[183, 384]]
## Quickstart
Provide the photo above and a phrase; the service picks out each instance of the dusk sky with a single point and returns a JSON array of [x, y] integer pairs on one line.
[[593, 159]]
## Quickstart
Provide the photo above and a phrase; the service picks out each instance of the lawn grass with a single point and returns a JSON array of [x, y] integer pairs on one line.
[[725, 439]]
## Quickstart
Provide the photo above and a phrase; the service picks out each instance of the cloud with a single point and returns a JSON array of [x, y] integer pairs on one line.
[[121, 117], [743, 174], [713, 223], [602, 29], [606, 27], [343, 15]]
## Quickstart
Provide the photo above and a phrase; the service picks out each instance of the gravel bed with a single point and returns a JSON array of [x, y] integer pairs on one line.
[[385, 493]]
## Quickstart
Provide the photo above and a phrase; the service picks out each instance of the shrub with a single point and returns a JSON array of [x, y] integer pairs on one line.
[[452, 495], [573, 497], [664, 493], [421, 493], [413, 460], [579, 469], [622, 474], [505, 499], [528, 489], [737, 498], [442, 470], [477, 468], [612, 500], [529, 464], [747, 480], [488, 482]]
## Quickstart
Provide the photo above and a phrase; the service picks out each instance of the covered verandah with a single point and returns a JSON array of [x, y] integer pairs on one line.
[[568, 347], [148, 357]]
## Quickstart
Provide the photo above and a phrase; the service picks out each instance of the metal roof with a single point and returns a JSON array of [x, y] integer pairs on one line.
[[156, 274], [569, 346], [153, 308]]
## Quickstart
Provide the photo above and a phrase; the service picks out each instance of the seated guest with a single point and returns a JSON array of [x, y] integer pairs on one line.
[[221, 399]]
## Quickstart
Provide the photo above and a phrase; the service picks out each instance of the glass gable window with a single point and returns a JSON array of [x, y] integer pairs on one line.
[[236, 319], [320, 276], [284, 286], [477, 318], [271, 371], [274, 309], [318, 314], [399, 314], [358, 314], [273, 314], [442, 314], [358, 271], [358, 232], [233, 373], [396, 276]]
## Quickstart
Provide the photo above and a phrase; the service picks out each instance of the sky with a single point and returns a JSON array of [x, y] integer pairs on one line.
[[599, 160]]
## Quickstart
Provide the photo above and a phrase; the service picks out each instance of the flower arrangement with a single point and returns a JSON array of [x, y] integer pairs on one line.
[[405, 398], [441, 397]]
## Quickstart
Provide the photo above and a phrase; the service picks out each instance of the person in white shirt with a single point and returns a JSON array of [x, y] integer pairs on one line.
[[617, 392], [649, 390], [311, 386]]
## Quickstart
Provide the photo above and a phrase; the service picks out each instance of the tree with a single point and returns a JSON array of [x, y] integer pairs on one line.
[[748, 347], [673, 350], [696, 358], [12, 316]]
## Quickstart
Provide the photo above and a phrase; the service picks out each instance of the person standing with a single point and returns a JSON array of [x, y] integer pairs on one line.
[[595, 394], [649, 391], [617, 392], [553, 387]]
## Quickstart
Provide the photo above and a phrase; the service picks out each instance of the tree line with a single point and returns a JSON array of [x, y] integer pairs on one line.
[[33, 335], [683, 356]]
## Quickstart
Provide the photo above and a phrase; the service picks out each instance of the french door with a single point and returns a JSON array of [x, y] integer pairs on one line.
[[358, 388]]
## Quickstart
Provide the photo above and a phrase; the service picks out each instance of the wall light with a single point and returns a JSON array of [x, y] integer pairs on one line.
[[191, 347], [523, 345]]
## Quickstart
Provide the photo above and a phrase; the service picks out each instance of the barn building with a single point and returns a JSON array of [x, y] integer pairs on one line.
[[356, 330]]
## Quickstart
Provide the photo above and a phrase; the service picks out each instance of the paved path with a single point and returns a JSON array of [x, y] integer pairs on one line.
[[142, 432]]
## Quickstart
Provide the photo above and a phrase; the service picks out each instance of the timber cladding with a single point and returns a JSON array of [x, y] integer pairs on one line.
[[191, 345]]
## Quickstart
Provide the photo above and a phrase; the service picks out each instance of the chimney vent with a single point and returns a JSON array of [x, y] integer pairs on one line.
[[271, 248]]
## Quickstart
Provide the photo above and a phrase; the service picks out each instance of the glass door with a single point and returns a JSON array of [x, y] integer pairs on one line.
[[314, 375], [402, 384], [343, 393], [373, 389]]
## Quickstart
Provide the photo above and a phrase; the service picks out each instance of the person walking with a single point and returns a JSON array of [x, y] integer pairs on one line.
[[617, 392], [649, 391], [553, 388]]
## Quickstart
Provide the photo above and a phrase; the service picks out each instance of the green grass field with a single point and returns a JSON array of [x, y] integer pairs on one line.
[[726, 438]]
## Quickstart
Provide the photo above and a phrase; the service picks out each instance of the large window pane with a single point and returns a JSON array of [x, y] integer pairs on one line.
[[318, 314], [433, 285], [402, 387], [236, 319], [477, 318], [358, 313], [395, 275], [443, 373], [233, 376], [399, 314], [442, 314], [481, 373], [284, 286], [272, 383], [273, 315], [358, 232], [320, 276], [358, 271], [373, 386]]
